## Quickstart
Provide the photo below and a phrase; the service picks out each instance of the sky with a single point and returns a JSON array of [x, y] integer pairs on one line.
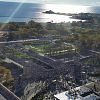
[[78, 2]]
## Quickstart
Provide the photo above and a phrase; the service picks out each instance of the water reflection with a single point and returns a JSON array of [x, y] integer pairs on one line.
[[66, 8], [62, 9], [28, 12]]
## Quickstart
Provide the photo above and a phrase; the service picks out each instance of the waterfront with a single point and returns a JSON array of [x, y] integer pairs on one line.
[[40, 60], [23, 12]]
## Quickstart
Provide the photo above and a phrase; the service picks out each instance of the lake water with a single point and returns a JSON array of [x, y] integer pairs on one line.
[[23, 12]]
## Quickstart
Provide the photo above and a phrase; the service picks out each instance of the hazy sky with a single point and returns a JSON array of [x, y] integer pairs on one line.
[[80, 2]]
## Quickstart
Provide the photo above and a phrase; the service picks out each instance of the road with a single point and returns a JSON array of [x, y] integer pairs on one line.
[[81, 58], [7, 93], [94, 51], [12, 61], [19, 41]]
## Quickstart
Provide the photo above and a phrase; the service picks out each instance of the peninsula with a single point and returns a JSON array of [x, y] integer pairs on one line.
[[81, 16]]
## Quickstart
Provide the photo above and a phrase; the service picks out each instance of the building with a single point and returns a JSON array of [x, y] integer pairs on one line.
[[78, 93], [75, 70], [27, 70]]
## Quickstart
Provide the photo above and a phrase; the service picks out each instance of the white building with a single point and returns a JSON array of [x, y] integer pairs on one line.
[[79, 93]]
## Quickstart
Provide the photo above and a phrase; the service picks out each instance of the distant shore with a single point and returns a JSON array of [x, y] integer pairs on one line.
[[81, 16]]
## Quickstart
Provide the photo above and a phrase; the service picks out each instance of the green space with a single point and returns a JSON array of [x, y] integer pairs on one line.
[[21, 55], [16, 53], [50, 48]]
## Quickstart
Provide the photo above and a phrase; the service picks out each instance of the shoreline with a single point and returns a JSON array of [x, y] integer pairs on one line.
[[75, 16], [80, 16]]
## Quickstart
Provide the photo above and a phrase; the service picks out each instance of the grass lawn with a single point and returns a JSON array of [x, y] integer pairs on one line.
[[48, 49], [22, 55]]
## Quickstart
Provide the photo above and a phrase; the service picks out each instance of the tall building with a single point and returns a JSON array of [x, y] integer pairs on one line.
[[76, 68], [27, 70]]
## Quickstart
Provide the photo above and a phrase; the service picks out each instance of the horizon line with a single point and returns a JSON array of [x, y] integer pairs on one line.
[[50, 3]]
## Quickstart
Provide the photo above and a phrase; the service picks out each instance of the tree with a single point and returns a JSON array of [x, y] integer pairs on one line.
[[32, 24]]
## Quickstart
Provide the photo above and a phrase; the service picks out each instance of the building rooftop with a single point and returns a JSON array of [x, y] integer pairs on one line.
[[78, 93]]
